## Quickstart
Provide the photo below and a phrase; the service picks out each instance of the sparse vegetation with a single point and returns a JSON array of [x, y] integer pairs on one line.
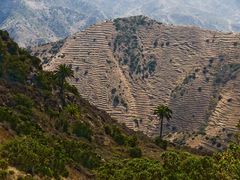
[[116, 134], [161, 143], [189, 78], [155, 44], [151, 66], [226, 73], [135, 152], [117, 99], [82, 130], [128, 39]]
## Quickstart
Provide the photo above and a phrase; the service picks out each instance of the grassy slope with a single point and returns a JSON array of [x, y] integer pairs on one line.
[[31, 115]]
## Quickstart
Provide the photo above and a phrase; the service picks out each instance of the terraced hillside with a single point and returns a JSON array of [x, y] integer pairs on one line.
[[129, 66]]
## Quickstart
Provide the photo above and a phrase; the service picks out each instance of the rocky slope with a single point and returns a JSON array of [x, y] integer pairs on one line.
[[129, 66], [32, 22], [38, 22]]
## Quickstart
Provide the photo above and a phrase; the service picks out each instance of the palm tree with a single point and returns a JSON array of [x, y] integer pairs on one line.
[[162, 112], [63, 71]]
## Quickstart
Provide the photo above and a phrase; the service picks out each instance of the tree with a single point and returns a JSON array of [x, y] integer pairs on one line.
[[162, 112], [63, 71], [238, 134]]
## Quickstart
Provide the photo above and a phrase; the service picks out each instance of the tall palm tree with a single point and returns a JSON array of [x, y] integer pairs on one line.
[[162, 112], [63, 71]]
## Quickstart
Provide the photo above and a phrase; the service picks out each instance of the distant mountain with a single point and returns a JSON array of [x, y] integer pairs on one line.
[[32, 22], [210, 14], [37, 22]]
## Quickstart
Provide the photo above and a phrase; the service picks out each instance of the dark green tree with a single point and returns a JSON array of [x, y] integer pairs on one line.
[[162, 112], [238, 134], [63, 71]]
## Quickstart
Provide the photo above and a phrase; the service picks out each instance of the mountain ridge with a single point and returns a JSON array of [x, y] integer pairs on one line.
[[24, 19]]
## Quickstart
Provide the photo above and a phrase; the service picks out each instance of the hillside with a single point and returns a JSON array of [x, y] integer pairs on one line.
[[129, 66], [44, 138], [32, 22], [48, 131]]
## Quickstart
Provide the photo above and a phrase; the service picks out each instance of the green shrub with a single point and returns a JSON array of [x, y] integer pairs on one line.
[[151, 66], [12, 48], [23, 104], [119, 139], [115, 101], [81, 129], [108, 130], [90, 159], [70, 114], [20, 123], [155, 44], [161, 143], [3, 164], [23, 100], [132, 141], [71, 89], [171, 161], [4, 35], [135, 152], [6, 115], [62, 124], [51, 112], [3, 175], [17, 71], [137, 169], [27, 177], [17, 63], [35, 158], [116, 134], [11, 172], [79, 153], [198, 168], [44, 80], [73, 110]]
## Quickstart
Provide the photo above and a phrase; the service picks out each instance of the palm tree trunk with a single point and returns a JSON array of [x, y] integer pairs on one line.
[[161, 127], [62, 93]]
